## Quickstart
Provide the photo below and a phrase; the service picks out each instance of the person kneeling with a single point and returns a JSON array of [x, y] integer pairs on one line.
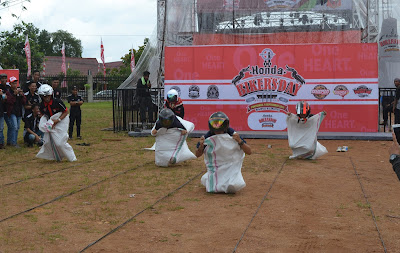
[[171, 133], [32, 134], [302, 132], [223, 156]]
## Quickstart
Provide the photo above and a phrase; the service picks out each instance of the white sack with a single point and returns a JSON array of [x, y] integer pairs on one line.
[[171, 146], [223, 158], [55, 146], [303, 137]]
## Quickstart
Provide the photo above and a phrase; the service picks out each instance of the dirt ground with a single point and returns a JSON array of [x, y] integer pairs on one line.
[[341, 202]]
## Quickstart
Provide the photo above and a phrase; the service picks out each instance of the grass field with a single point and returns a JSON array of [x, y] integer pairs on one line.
[[114, 199]]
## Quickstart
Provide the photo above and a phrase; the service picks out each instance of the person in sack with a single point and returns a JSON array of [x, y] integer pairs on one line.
[[15, 104], [174, 102], [32, 133], [167, 119], [302, 129], [54, 123], [171, 133], [76, 115], [223, 156]]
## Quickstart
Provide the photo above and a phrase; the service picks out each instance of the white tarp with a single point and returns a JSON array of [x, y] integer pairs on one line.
[[55, 146], [171, 146], [223, 158], [303, 137], [389, 53]]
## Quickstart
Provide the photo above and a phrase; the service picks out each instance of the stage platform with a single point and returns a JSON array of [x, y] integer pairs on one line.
[[380, 136]]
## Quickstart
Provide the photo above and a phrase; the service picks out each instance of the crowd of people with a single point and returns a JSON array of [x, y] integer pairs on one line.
[[28, 105]]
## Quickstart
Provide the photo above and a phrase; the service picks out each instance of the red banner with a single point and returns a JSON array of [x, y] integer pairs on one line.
[[10, 73], [255, 85], [132, 60], [27, 49], [102, 57], [63, 66]]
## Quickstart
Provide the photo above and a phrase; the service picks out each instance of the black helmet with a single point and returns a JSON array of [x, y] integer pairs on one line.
[[166, 117], [303, 108], [218, 121]]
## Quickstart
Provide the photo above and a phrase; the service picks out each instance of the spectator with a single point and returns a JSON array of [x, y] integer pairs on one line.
[[396, 104], [3, 108], [143, 94], [31, 98], [55, 83], [394, 152], [15, 102], [174, 102], [35, 79], [32, 134], [75, 115]]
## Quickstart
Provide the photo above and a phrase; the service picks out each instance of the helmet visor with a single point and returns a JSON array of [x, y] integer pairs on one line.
[[216, 123], [171, 97], [166, 122]]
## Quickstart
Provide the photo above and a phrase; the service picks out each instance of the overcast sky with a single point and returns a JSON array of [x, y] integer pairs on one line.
[[89, 21]]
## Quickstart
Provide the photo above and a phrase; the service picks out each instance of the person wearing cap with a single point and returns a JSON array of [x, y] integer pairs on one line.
[[15, 103], [55, 83], [35, 79], [396, 104], [3, 108], [75, 112], [32, 98], [143, 93]]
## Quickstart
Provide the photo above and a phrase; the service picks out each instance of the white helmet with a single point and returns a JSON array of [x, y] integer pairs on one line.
[[172, 95], [45, 90]]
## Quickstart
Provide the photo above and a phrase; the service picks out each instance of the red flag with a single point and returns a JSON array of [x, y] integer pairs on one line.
[[102, 57], [27, 50], [44, 68], [63, 67], [132, 60]]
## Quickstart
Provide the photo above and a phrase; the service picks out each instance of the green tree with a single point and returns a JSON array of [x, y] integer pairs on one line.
[[126, 59], [12, 54], [73, 46]]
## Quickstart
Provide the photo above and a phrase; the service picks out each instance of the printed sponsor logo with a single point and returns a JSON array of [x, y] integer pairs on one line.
[[212, 92], [194, 91], [177, 89], [284, 100], [320, 91], [267, 121], [269, 77], [362, 91], [341, 90], [266, 106], [250, 99]]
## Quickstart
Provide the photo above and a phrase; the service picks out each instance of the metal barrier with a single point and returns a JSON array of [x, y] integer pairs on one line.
[[126, 110]]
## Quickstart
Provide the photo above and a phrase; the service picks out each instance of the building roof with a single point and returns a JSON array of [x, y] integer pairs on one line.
[[53, 65]]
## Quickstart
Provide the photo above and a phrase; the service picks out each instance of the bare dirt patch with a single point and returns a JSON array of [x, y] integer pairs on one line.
[[310, 206]]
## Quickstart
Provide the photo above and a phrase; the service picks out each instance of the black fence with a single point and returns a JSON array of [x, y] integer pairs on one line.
[[126, 116], [102, 86]]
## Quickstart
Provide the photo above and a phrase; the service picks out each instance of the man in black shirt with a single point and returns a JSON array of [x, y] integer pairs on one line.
[[31, 98], [55, 83], [35, 79], [394, 152], [75, 115], [143, 93], [50, 106], [167, 119], [32, 133], [3, 109]]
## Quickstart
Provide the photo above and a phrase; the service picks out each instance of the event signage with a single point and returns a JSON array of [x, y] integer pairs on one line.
[[256, 85]]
